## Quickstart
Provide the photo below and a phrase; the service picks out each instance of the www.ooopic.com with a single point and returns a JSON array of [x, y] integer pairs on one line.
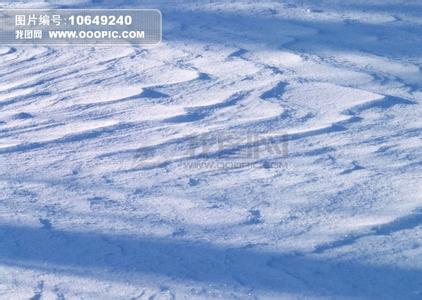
[[103, 34], [234, 165]]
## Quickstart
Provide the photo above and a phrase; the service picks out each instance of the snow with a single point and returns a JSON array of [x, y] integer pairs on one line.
[[106, 191]]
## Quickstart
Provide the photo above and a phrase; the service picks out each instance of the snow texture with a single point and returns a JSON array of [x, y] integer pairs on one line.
[[106, 191]]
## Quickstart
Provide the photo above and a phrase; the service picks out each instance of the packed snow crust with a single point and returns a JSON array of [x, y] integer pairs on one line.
[[126, 173]]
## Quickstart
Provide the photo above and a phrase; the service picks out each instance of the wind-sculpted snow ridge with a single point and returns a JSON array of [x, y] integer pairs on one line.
[[266, 149]]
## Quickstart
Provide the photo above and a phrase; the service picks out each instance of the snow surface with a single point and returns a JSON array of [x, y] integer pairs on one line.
[[104, 192]]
